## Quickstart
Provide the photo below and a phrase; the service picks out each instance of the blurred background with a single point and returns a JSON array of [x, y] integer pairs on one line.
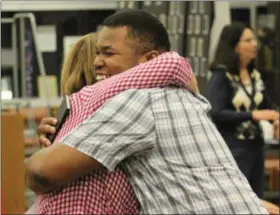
[[35, 35]]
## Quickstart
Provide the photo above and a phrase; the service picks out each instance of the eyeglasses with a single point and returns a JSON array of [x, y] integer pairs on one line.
[[250, 40]]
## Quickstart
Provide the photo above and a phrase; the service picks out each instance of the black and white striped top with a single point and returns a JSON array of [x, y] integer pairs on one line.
[[233, 103]]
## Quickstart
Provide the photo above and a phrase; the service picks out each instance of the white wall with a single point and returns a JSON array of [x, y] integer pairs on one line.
[[222, 18]]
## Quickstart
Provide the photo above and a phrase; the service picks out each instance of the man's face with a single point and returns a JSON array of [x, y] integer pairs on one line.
[[115, 52]]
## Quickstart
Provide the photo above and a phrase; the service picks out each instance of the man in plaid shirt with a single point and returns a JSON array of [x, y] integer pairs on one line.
[[175, 159]]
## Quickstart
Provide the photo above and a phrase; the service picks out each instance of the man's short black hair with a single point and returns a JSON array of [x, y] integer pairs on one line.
[[142, 26]]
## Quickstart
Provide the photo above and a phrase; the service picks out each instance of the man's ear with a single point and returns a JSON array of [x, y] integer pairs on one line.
[[149, 56]]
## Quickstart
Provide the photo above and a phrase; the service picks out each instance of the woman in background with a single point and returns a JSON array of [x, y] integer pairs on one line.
[[239, 101]]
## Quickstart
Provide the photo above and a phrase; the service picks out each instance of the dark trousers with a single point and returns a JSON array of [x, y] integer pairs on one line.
[[249, 156]]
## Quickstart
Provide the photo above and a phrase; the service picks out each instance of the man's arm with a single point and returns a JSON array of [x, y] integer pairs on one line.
[[270, 207], [122, 127], [57, 165]]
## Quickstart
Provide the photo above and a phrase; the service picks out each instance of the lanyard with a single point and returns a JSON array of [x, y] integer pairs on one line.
[[251, 96]]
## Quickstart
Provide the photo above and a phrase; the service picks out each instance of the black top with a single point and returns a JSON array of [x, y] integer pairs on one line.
[[233, 103]]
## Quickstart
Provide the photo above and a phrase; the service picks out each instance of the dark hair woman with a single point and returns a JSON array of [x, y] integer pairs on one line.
[[239, 102]]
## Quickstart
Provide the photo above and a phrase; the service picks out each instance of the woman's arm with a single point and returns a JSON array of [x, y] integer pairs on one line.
[[168, 69]]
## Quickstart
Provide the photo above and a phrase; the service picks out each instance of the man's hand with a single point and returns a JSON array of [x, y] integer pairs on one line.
[[276, 129], [47, 126], [271, 208]]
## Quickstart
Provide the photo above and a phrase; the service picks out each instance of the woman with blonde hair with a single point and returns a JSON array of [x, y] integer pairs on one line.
[[77, 72]]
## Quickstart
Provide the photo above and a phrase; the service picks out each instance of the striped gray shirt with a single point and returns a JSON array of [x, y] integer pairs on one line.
[[176, 160]]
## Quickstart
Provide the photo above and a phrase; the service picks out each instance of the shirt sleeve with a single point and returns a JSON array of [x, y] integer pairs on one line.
[[122, 127], [219, 98]]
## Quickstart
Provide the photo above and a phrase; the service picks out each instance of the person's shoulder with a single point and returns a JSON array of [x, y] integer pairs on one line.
[[84, 92], [256, 74], [131, 96], [219, 70]]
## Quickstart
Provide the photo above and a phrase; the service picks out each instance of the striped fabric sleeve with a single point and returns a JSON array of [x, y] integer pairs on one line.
[[123, 127]]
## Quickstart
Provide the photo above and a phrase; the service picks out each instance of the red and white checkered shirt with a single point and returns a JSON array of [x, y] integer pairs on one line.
[[106, 192]]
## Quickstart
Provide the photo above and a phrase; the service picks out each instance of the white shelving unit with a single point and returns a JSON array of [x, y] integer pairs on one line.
[[33, 102], [10, 5]]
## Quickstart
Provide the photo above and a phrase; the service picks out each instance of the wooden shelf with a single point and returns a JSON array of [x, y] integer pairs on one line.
[[272, 151], [12, 158], [272, 196], [272, 168], [33, 102], [30, 113]]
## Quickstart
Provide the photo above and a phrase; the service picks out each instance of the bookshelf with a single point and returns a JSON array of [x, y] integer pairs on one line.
[[12, 163], [272, 173]]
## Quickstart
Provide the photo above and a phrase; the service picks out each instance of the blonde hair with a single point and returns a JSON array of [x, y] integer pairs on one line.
[[77, 69]]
